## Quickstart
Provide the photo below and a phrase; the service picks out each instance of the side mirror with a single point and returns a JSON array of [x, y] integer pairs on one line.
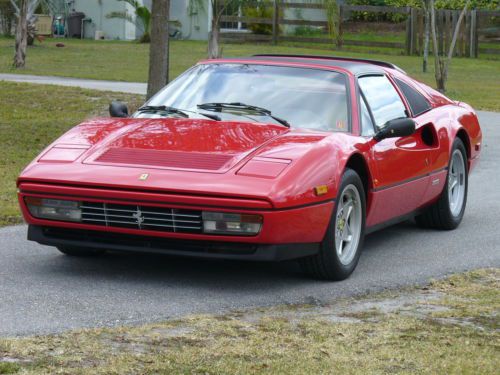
[[400, 127], [118, 109]]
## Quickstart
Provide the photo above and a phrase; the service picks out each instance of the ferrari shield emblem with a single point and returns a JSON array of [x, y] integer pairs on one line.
[[144, 176]]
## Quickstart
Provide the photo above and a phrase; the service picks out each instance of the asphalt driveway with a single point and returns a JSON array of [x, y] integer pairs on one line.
[[42, 291]]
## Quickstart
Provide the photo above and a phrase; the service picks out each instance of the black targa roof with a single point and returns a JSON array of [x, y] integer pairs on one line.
[[355, 66]]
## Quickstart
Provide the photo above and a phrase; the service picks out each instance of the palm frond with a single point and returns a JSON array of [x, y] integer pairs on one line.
[[134, 3], [121, 15], [196, 6], [144, 16]]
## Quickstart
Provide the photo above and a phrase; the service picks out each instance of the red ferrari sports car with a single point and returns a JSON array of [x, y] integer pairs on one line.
[[268, 157]]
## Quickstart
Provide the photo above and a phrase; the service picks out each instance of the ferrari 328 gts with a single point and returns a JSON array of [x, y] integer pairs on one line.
[[269, 157]]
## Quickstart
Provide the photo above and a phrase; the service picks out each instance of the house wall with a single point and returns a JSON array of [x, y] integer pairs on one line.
[[97, 10], [194, 21]]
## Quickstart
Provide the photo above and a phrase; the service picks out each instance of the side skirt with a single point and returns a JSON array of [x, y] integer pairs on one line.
[[393, 221]]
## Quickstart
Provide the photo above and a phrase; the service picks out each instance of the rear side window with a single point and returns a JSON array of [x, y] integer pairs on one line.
[[416, 100], [383, 99]]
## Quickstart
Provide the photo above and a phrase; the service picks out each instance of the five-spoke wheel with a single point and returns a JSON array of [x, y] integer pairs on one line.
[[341, 247], [448, 211], [348, 224]]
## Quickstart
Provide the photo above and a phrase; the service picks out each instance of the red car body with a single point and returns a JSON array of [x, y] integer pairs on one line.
[[288, 176]]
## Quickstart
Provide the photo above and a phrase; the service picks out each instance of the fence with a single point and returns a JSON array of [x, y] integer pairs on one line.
[[470, 32], [446, 20]]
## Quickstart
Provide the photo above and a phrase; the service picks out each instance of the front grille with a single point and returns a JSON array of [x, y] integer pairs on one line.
[[142, 217]]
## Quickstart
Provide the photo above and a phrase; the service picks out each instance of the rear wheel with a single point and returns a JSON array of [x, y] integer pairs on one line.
[[448, 211], [341, 247], [80, 251]]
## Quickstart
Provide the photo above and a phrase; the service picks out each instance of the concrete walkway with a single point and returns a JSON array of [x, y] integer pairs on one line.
[[128, 87]]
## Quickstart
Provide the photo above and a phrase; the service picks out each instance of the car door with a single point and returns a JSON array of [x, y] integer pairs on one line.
[[430, 133], [400, 164]]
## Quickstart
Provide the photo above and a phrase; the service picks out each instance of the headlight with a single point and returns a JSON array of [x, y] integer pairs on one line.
[[229, 223], [54, 209]]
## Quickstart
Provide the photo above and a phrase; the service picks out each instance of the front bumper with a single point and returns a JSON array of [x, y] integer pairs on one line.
[[304, 224], [61, 237]]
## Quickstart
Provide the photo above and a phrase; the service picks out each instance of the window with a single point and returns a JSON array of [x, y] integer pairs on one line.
[[416, 100], [383, 99], [232, 9], [306, 98], [367, 128]]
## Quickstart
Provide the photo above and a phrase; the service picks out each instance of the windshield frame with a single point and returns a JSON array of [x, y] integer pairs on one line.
[[310, 66]]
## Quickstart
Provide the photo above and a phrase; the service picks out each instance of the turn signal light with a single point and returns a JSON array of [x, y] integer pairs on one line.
[[231, 224], [54, 209]]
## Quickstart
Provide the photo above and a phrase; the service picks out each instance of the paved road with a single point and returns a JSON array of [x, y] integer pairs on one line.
[[130, 87], [42, 291]]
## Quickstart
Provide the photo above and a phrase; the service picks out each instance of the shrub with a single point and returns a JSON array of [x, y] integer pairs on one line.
[[7, 18], [389, 17], [262, 10]]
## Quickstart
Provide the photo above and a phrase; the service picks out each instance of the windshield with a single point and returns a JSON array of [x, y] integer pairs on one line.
[[305, 98]]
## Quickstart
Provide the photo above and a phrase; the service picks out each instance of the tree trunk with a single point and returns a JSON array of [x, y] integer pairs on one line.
[[214, 51], [21, 35], [437, 57], [158, 49], [427, 27], [442, 61]]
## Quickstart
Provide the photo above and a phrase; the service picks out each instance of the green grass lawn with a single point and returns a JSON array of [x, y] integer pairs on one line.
[[31, 117], [448, 327], [475, 81]]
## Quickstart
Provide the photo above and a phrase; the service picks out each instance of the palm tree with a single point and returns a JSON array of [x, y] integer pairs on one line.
[[142, 18]]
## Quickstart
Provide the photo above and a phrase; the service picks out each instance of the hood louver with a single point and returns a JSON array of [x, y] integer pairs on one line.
[[164, 159]]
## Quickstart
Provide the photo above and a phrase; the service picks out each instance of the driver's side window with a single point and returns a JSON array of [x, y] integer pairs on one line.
[[383, 99]]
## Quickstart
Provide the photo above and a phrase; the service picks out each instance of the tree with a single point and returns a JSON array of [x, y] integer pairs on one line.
[[427, 28], [21, 34], [158, 50], [442, 61], [142, 18], [218, 7], [7, 15]]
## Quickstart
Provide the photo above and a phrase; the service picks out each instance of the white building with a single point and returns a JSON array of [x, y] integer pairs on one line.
[[193, 21]]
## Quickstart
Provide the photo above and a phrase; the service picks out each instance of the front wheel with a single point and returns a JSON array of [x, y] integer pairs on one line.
[[448, 211], [341, 248]]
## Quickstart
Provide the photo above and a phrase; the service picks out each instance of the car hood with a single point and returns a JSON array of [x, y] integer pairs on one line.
[[192, 156], [181, 144]]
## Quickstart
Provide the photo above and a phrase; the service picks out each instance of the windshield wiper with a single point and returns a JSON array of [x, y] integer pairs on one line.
[[180, 112], [164, 108], [242, 107]]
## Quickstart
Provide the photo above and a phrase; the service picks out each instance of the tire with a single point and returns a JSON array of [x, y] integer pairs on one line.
[[448, 211], [334, 262], [80, 251]]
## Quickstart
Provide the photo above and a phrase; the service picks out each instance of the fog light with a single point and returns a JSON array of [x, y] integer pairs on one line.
[[54, 209], [232, 224]]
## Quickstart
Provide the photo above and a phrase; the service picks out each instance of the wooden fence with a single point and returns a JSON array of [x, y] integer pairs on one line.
[[467, 42]]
